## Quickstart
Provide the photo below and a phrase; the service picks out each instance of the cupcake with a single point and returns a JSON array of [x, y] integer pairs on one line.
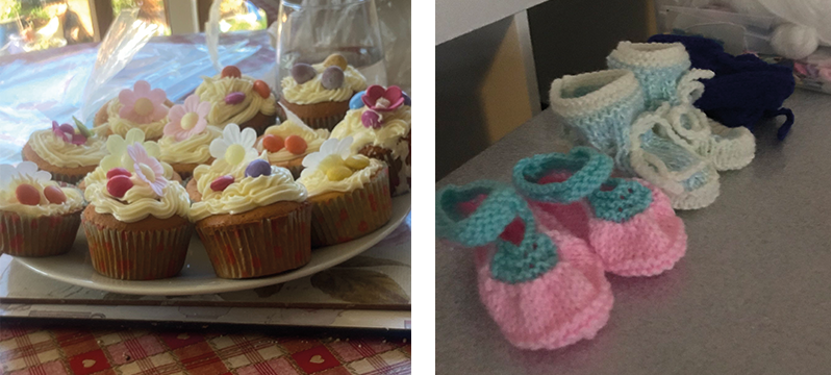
[[379, 123], [187, 136], [38, 217], [288, 143], [349, 193], [140, 108], [320, 93], [238, 99], [117, 157], [136, 222], [67, 153], [252, 217]]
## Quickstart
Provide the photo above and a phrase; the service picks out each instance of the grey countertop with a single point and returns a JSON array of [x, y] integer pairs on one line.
[[751, 296]]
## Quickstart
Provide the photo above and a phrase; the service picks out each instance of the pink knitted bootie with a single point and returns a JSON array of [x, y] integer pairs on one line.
[[629, 223], [545, 289]]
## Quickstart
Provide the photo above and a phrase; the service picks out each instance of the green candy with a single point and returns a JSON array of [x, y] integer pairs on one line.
[[82, 128]]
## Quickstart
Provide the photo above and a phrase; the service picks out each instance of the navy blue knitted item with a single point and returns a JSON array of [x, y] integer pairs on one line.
[[745, 89]]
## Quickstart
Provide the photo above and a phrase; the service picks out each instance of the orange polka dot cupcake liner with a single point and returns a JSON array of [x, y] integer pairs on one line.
[[38, 236], [354, 214], [270, 246], [137, 255]]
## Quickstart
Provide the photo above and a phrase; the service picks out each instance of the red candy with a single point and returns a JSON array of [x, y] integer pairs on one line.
[[118, 185], [273, 143], [118, 172], [27, 194], [262, 88], [54, 194], [231, 71], [296, 144], [221, 183]]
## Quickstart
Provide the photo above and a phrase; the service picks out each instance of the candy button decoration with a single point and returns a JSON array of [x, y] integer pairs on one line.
[[335, 59], [54, 194], [257, 168], [302, 72], [118, 186], [68, 129], [221, 183], [147, 172], [332, 78], [235, 97], [296, 144], [260, 87], [357, 162], [356, 102], [27, 194], [407, 100], [338, 173], [231, 71], [118, 172], [371, 119], [234, 154], [273, 143]]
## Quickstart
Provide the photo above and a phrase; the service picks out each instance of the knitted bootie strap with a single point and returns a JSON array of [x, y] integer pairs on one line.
[[512, 263], [590, 169], [621, 201]]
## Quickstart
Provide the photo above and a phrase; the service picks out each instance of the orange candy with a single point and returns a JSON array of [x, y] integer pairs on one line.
[[296, 144], [27, 194], [262, 88], [54, 194], [273, 143], [231, 71]]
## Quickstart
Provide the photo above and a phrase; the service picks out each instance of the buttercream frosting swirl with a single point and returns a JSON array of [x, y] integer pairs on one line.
[[215, 89], [245, 193], [316, 181], [60, 153], [313, 137], [312, 91], [396, 125], [139, 202], [99, 175], [8, 200], [121, 126], [194, 149]]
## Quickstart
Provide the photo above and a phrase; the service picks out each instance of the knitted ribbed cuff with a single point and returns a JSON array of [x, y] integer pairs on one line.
[[590, 169]]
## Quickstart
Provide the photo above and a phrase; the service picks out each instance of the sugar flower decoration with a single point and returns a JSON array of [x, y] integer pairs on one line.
[[117, 147], [379, 99], [147, 169], [25, 171], [67, 133], [142, 105], [332, 146], [234, 146], [188, 119]]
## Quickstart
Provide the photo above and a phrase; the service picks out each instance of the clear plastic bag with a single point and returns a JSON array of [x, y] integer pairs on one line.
[[76, 81]]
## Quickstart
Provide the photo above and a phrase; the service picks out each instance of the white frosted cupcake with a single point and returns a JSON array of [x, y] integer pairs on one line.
[[137, 222], [117, 157], [188, 136], [238, 99], [38, 217], [288, 143], [349, 193], [67, 152], [252, 217]]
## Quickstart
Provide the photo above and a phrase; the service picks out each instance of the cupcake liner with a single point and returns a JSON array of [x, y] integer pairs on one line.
[[267, 247], [137, 255], [353, 214], [39, 236], [327, 123]]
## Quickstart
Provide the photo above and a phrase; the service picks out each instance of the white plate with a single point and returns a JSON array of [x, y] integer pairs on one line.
[[197, 276]]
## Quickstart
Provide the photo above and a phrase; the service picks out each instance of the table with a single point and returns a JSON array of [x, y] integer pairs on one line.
[[751, 295]]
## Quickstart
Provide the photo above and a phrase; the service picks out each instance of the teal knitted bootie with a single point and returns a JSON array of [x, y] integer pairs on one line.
[[477, 214], [601, 107]]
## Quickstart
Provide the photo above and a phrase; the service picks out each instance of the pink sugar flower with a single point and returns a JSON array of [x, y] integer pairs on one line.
[[142, 105], [379, 99], [67, 133], [188, 119], [147, 168]]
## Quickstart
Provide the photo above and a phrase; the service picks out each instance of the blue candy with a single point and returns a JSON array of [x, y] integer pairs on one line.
[[356, 101], [406, 98], [257, 168]]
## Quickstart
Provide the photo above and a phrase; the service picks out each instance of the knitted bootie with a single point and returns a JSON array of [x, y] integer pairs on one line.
[[544, 290], [662, 69], [602, 107], [629, 223]]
